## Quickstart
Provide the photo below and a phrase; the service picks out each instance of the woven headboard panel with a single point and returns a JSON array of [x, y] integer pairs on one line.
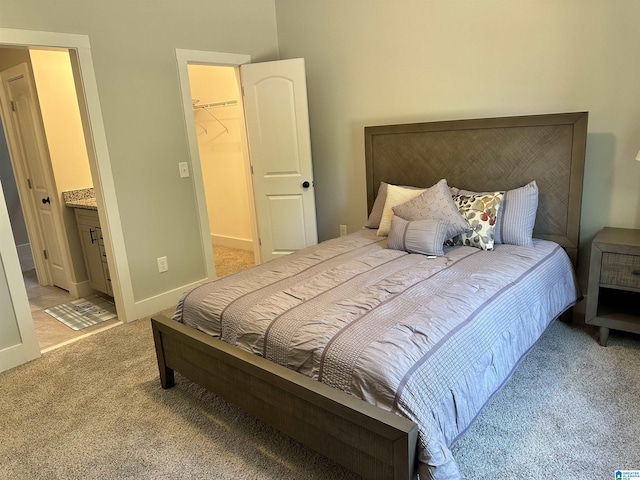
[[491, 154]]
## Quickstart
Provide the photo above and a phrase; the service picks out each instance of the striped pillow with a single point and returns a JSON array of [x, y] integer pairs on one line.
[[517, 216], [419, 236]]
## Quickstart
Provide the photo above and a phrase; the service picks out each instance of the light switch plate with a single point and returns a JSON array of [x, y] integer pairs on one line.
[[184, 169], [163, 265]]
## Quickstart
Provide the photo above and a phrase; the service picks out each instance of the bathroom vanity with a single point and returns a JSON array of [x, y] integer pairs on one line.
[[95, 258]]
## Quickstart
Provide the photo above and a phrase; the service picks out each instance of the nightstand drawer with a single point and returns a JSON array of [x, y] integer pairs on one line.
[[620, 270]]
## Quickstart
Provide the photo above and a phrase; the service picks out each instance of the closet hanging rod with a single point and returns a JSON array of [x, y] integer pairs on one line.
[[227, 103]]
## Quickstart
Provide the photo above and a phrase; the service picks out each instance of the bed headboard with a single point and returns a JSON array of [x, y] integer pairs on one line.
[[490, 154]]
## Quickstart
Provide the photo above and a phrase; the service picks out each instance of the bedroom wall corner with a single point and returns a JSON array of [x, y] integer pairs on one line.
[[377, 62]]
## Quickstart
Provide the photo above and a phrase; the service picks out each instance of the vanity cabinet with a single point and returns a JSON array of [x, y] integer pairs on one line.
[[93, 250]]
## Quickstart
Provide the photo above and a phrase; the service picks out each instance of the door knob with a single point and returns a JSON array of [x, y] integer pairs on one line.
[[305, 184], [46, 200]]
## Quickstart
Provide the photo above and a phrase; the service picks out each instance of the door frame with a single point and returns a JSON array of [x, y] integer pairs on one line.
[[28, 349], [201, 57], [99, 160]]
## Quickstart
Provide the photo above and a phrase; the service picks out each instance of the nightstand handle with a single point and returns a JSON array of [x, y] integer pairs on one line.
[[635, 272]]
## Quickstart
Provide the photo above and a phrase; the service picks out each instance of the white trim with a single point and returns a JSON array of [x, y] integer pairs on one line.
[[28, 349], [183, 58], [80, 289], [233, 242], [13, 356], [165, 300], [75, 339], [203, 57], [99, 160], [12, 36]]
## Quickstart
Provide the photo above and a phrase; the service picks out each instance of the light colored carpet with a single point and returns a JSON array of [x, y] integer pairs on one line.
[[229, 260], [95, 409]]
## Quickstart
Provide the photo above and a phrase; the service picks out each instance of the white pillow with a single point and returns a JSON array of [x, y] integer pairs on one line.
[[395, 196]]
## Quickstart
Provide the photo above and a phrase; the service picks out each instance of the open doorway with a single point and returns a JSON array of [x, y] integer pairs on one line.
[[219, 125], [53, 233], [279, 169]]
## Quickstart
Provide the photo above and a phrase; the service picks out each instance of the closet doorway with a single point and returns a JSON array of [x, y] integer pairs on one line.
[[220, 129], [278, 171]]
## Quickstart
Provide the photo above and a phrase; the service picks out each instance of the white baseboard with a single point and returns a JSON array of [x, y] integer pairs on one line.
[[232, 242], [17, 355], [80, 289], [149, 306]]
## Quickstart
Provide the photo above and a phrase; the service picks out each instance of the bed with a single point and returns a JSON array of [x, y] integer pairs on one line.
[[408, 347]]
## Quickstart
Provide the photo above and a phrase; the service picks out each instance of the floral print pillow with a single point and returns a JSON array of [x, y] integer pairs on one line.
[[481, 211]]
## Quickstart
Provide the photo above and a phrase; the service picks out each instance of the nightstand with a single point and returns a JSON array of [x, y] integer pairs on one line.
[[613, 299]]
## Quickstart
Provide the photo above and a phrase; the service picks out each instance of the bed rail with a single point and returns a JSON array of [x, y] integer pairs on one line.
[[372, 442]]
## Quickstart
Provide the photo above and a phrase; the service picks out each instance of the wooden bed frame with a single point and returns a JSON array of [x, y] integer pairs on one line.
[[485, 154]]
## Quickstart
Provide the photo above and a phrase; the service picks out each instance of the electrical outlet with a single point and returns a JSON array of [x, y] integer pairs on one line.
[[184, 169], [163, 265], [343, 230]]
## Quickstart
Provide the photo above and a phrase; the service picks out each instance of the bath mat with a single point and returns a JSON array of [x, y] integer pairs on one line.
[[83, 312]]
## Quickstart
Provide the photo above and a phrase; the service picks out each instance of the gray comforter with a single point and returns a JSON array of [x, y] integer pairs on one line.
[[431, 339]]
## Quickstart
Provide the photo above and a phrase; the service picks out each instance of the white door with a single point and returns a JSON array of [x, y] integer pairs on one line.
[[28, 149], [18, 342], [277, 119]]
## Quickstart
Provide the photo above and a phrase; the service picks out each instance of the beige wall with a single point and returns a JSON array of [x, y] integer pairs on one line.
[[61, 117], [58, 101], [133, 46], [379, 62], [221, 155]]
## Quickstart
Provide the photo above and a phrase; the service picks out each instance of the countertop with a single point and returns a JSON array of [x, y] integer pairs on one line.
[[82, 198]]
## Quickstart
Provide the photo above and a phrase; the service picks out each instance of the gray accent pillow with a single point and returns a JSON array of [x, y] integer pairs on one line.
[[515, 225], [516, 216], [378, 205], [436, 203], [419, 236]]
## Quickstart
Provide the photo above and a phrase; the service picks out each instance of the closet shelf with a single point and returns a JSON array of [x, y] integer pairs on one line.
[[207, 106], [227, 103]]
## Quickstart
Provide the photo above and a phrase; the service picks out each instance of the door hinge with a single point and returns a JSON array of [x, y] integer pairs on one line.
[[13, 106], [29, 183], [251, 169], [259, 241], [46, 257]]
